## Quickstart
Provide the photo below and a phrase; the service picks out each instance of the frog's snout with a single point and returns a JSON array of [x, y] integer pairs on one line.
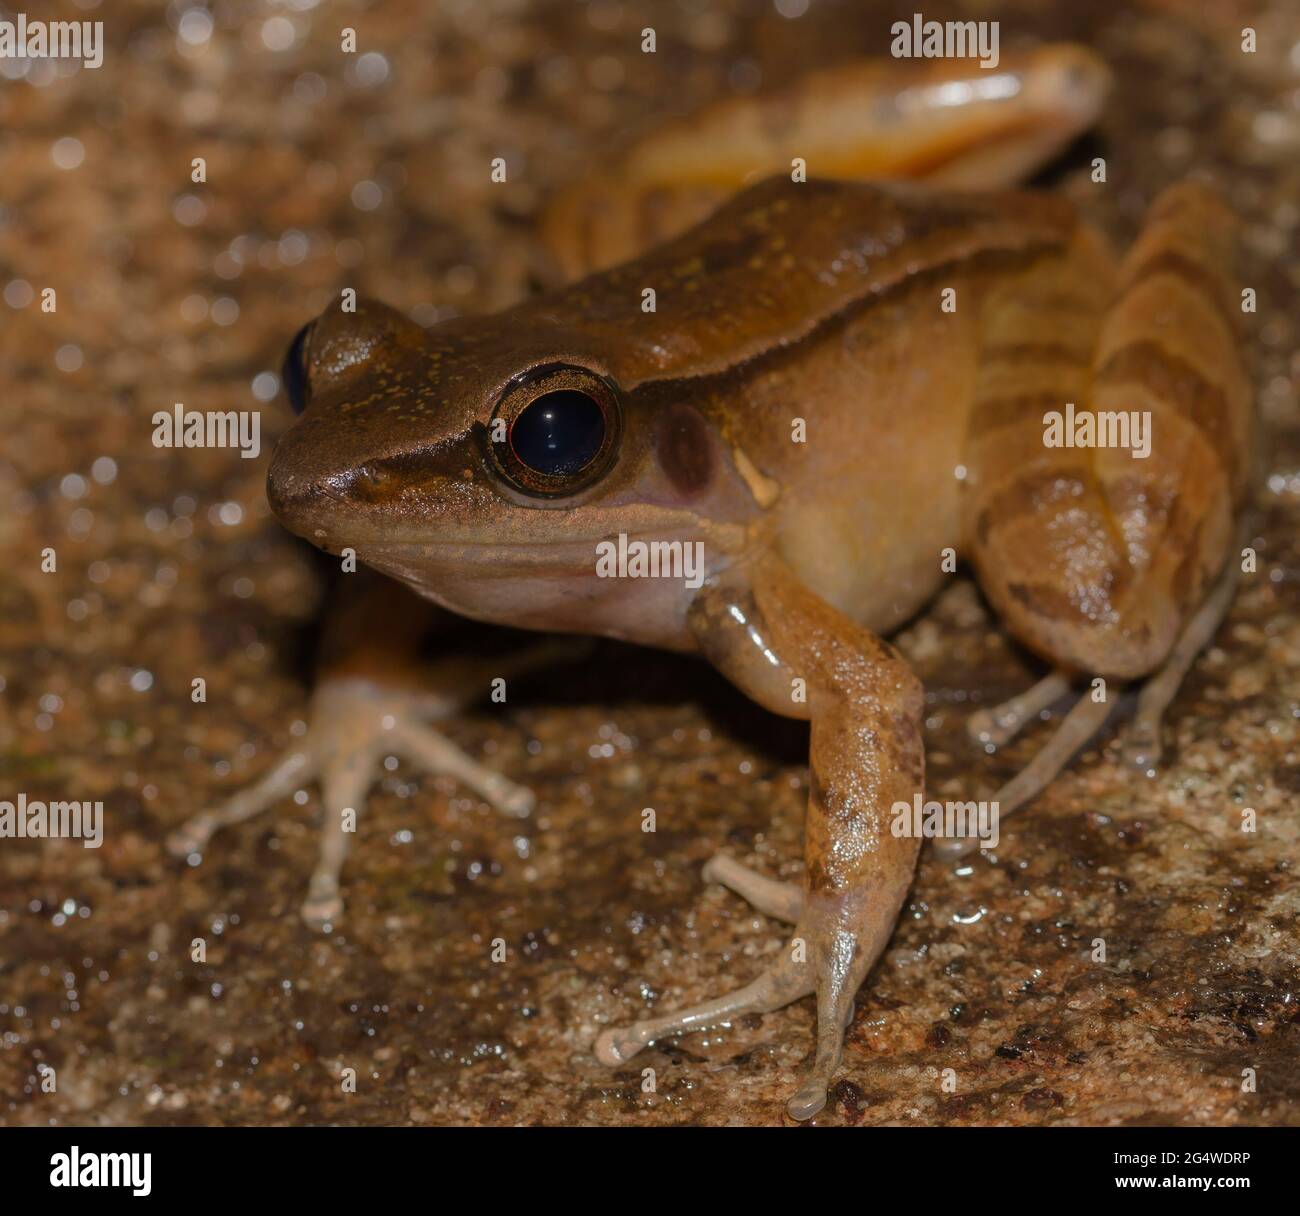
[[312, 488], [299, 497]]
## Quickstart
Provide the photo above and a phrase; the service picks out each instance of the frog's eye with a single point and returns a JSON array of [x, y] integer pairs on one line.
[[293, 373], [556, 430], [558, 434]]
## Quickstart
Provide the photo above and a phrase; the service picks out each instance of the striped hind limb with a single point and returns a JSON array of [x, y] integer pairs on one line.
[[795, 655], [1142, 737], [1114, 560], [1142, 742]]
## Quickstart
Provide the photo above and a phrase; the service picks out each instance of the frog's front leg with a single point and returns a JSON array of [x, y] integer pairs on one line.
[[797, 656], [373, 698]]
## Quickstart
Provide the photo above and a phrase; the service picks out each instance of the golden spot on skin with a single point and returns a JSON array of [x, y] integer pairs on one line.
[[764, 489]]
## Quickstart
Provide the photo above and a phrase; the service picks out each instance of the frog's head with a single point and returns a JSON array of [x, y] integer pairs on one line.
[[485, 460]]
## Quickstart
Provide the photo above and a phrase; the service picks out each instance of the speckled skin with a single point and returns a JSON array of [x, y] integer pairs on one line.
[[815, 301]]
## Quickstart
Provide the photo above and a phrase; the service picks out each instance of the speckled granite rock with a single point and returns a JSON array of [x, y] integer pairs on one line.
[[326, 170]]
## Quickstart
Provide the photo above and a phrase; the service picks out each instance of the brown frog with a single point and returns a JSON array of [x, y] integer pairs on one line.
[[842, 384]]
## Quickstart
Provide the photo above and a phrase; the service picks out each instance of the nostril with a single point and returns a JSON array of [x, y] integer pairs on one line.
[[293, 373], [367, 483]]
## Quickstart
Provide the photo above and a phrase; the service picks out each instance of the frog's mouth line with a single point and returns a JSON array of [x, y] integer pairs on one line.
[[562, 558], [473, 560], [433, 564]]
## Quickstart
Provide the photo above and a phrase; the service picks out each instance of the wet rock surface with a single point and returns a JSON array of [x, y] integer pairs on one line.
[[371, 170]]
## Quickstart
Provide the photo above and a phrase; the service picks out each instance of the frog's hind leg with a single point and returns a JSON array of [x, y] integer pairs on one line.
[[1111, 558], [1081, 724], [950, 122], [999, 724], [1142, 745], [1079, 727]]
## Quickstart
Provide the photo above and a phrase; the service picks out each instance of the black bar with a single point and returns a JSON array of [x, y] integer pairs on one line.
[[595, 1166]]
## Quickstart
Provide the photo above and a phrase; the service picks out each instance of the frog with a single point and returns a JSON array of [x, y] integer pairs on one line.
[[843, 382]]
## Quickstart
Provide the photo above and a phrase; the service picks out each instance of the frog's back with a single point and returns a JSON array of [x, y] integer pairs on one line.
[[777, 263], [837, 352], [809, 323]]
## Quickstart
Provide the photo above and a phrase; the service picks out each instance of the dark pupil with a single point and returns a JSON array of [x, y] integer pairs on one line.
[[293, 374], [559, 433]]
